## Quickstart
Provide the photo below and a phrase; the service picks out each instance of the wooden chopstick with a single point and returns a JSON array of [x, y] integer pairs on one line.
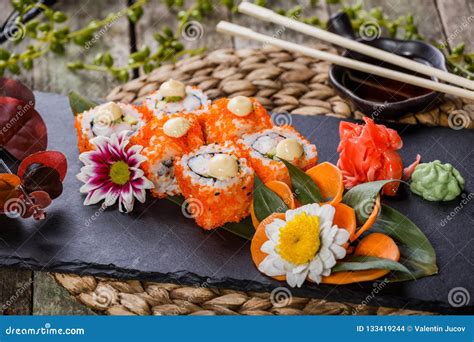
[[268, 15], [244, 32]]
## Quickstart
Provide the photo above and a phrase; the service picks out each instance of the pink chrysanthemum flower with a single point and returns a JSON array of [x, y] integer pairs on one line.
[[112, 171]]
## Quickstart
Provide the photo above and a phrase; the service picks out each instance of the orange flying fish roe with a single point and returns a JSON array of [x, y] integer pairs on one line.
[[222, 125], [214, 205], [269, 169], [160, 148]]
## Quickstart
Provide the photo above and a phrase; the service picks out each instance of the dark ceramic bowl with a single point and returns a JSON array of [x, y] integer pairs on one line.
[[380, 97]]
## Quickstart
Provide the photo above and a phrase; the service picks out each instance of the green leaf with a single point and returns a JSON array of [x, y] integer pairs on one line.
[[80, 104], [108, 60], [265, 201], [416, 251], [13, 68], [179, 200], [244, 228], [4, 55], [362, 198], [362, 263], [59, 17], [305, 188], [73, 66]]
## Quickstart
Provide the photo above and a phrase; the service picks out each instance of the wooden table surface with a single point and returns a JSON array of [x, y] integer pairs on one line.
[[26, 292]]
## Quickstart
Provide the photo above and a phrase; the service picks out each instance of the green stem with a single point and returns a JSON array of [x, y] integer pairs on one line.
[[103, 22], [30, 7], [94, 67], [185, 19], [461, 68], [33, 56], [137, 65]]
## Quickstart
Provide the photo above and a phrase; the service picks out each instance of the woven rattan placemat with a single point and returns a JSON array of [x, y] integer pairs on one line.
[[283, 82]]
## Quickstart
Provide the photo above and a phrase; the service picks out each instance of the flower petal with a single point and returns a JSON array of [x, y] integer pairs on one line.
[[296, 279], [269, 268], [327, 257], [272, 230], [312, 209], [314, 276], [300, 268], [342, 236], [339, 252], [290, 214], [112, 196], [326, 214], [316, 265], [95, 196], [82, 177], [140, 195], [326, 272], [268, 247], [86, 157]]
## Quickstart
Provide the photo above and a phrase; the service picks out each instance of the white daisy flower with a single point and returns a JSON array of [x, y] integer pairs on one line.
[[305, 244]]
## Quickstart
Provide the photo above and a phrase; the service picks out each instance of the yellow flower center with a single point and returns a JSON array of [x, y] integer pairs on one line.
[[119, 173], [299, 239]]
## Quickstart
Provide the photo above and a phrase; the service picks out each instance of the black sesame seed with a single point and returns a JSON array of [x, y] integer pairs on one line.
[[217, 194]]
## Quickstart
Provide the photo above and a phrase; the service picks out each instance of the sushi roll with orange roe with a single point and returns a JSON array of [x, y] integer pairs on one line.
[[229, 119], [175, 97], [106, 119], [165, 139], [265, 148], [217, 182]]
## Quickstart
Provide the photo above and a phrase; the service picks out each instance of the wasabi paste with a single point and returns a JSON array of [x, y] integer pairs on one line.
[[436, 181]]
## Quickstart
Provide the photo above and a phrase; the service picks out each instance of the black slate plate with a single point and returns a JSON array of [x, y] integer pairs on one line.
[[157, 242]]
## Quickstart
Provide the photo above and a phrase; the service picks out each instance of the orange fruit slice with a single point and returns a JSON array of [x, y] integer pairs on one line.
[[370, 220], [328, 178], [377, 245]]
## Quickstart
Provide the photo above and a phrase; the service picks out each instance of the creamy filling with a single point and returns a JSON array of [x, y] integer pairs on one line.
[[200, 164]]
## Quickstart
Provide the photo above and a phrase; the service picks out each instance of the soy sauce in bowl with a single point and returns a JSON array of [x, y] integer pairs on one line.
[[379, 96], [380, 89]]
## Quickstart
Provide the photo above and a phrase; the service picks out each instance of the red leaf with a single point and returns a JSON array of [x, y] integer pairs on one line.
[[53, 159], [39, 200], [22, 130], [42, 178], [17, 90]]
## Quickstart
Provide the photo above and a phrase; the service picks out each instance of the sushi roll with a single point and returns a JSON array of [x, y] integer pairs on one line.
[[164, 140], [229, 119], [174, 97], [106, 119], [265, 148], [218, 181]]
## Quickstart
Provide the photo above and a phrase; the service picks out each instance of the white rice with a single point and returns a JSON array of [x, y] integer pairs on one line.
[[110, 127], [162, 170], [195, 102]]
